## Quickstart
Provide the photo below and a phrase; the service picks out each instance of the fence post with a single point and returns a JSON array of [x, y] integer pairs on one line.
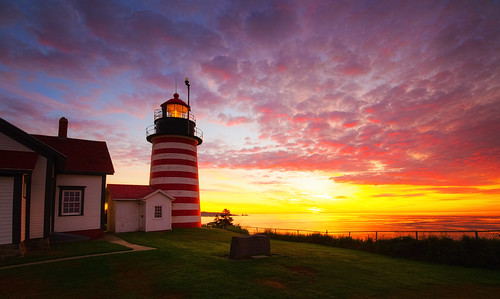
[[349, 234], [416, 235], [376, 236], [326, 232], [477, 237]]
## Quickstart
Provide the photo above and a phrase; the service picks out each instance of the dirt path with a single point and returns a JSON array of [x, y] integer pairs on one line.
[[107, 237]]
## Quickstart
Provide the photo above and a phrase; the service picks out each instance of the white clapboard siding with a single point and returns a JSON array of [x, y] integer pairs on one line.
[[6, 198], [9, 144], [38, 198], [91, 218]]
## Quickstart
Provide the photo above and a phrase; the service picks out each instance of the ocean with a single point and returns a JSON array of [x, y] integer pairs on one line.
[[345, 223]]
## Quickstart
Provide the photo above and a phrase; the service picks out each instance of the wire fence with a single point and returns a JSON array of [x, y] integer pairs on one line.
[[382, 234]]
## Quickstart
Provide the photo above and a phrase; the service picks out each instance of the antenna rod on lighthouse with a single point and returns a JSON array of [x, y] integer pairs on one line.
[[189, 107], [187, 84]]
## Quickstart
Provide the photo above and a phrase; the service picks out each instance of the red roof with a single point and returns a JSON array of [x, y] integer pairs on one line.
[[118, 191], [17, 160], [82, 156], [175, 100]]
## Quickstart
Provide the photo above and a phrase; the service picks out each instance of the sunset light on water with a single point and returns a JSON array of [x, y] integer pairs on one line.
[[353, 222], [321, 108]]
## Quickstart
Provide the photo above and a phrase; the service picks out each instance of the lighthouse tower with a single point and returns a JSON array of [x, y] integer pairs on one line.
[[174, 162]]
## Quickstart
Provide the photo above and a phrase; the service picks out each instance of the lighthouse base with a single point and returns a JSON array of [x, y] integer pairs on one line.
[[186, 225], [185, 221]]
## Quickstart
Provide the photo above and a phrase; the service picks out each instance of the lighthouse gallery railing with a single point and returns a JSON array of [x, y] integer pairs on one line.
[[158, 114]]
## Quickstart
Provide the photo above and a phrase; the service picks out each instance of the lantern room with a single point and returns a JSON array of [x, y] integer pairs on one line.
[[174, 118], [175, 108]]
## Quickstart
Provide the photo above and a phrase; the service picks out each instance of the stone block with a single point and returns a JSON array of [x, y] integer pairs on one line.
[[248, 246]]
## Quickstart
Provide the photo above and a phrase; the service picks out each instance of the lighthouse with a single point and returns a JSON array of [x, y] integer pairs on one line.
[[174, 159]]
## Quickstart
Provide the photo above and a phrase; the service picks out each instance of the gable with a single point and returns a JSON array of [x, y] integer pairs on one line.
[[14, 139], [158, 194], [7, 143]]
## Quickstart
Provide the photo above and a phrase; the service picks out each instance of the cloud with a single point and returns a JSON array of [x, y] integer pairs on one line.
[[271, 24], [375, 92], [233, 120]]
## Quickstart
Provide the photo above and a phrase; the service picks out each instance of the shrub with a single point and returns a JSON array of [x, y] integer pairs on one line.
[[237, 229], [472, 252], [222, 221]]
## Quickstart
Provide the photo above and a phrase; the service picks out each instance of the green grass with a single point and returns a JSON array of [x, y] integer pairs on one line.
[[62, 250], [193, 263]]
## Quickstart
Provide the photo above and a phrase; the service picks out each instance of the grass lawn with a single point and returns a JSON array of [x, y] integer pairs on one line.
[[62, 250], [192, 263]]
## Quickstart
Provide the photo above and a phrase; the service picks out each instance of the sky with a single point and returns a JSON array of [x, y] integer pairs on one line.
[[305, 106]]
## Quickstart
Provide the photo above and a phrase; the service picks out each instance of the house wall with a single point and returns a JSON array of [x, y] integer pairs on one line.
[[6, 202], [38, 178], [37, 193], [91, 218], [126, 216], [165, 223], [9, 144]]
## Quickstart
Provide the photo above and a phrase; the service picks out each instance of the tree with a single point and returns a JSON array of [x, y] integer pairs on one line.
[[223, 221]]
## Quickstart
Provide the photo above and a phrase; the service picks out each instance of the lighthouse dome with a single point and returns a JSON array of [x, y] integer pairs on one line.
[[175, 100]]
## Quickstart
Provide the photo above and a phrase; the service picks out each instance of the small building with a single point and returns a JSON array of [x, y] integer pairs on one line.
[[50, 184], [138, 208]]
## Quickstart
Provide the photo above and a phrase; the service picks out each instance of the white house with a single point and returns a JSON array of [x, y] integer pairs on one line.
[[50, 184], [138, 208]]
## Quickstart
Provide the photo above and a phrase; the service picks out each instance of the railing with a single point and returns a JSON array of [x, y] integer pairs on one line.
[[198, 133], [152, 130], [382, 234]]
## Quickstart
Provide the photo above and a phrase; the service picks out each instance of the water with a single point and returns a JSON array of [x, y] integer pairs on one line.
[[343, 223]]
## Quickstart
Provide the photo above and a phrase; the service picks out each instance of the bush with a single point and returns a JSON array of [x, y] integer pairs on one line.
[[222, 221], [471, 252], [237, 229]]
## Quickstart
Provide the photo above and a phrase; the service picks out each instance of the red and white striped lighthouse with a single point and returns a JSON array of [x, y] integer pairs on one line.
[[174, 161]]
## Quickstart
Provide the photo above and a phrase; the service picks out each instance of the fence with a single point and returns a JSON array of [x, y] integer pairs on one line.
[[417, 234]]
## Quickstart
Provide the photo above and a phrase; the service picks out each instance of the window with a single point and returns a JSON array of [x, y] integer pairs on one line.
[[71, 200], [158, 212]]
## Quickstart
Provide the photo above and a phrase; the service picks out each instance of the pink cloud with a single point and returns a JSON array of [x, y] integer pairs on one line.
[[233, 120], [385, 93], [221, 68]]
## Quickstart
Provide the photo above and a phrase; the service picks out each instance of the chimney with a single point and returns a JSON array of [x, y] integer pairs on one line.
[[63, 128]]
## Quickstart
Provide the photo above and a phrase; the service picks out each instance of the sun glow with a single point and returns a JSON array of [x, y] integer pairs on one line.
[[263, 191], [268, 191], [315, 210]]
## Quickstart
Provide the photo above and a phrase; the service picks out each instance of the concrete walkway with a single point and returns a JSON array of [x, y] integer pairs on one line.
[[114, 239], [107, 237]]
